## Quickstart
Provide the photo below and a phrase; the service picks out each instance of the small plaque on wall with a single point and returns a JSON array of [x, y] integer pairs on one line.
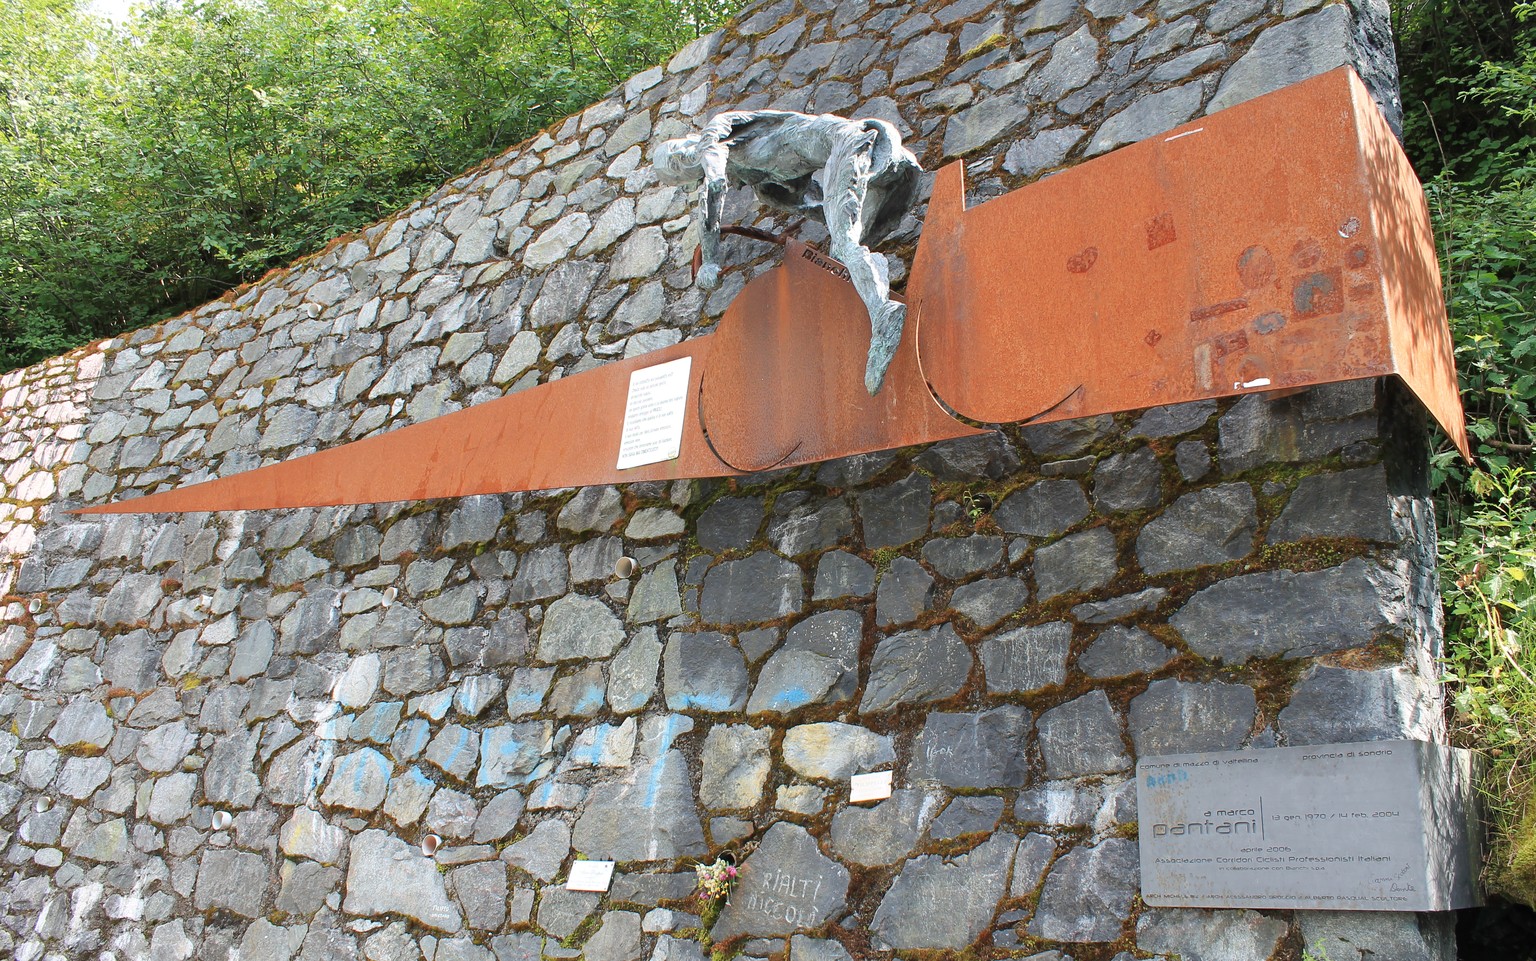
[[653, 414], [1373, 826], [870, 787], [590, 876]]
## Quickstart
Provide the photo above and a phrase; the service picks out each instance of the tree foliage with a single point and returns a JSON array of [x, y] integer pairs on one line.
[[148, 166], [1469, 81]]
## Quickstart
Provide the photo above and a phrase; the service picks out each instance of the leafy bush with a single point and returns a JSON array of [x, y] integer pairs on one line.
[[150, 166], [1485, 205]]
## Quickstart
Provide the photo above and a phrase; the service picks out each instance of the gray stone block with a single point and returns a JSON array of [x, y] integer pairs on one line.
[[761, 587], [1124, 650], [1044, 509], [935, 904], [1150, 115], [481, 890], [1210, 526], [1298, 615], [967, 815], [235, 881], [896, 514], [817, 664], [577, 628], [985, 603], [632, 674], [648, 815], [1128, 482], [905, 593], [704, 671], [885, 833], [1349, 503], [1360, 935], [1174, 419], [1088, 894], [956, 558], [561, 912], [542, 573], [970, 458], [812, 527], [1034, 855], [763, 906], [1302, 427], [980, 750], [1288, 52], [1199, 934], [618, 939], [1102, 612], [543, 852], [1181, 717], [917, 666], [1084, 561], [1027, 659], [1082, 736], [1335, 705], [834, 751], [730, 523], [735, 766], [840, 574]]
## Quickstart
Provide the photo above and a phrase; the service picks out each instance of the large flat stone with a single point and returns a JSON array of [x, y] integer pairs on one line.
[[1182, 717], [578, 628], [704, 671], [1210, 526], [917, 666], [1027, 658], [761, 587], [387, 876], [817, 664], [647, 815], [1297, 615], [885, 833], [934, 904], [786, 885], [1088, 894], [980, 750]]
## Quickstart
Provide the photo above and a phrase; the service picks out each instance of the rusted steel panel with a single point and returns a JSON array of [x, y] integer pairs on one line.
[[779, 384], [562, 434], [785, 381], [1277, 244]]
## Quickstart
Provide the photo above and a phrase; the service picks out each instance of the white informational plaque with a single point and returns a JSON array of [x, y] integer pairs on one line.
[[653, 414], [870, 787], [590, 876]]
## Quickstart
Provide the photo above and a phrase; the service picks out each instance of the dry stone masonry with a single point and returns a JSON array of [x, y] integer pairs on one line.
[[226, 736]]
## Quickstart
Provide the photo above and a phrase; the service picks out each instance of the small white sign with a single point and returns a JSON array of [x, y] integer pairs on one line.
[[653, 414], [870, 787], [590, 876]]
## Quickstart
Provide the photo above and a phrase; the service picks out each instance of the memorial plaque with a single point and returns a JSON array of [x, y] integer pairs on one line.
[[653, 414], [590, 876], [870, 787], [1375, 826]]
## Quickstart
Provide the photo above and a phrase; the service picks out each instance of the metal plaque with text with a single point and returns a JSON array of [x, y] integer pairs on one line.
[[1373, 826]]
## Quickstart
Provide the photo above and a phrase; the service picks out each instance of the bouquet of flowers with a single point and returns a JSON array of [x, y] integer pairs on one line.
[[716, 880]]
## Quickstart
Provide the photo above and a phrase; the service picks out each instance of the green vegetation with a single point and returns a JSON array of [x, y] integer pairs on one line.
[[150, 166], [1469, 71]]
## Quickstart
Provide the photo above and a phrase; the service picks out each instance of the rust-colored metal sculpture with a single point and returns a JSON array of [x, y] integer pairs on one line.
[[1278, 244], [1281, 243]]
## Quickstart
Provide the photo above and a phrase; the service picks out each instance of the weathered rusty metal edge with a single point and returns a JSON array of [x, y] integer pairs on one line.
[[1049, 304]]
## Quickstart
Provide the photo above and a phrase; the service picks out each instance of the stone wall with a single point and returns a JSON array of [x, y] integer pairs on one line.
[[230, 733]]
